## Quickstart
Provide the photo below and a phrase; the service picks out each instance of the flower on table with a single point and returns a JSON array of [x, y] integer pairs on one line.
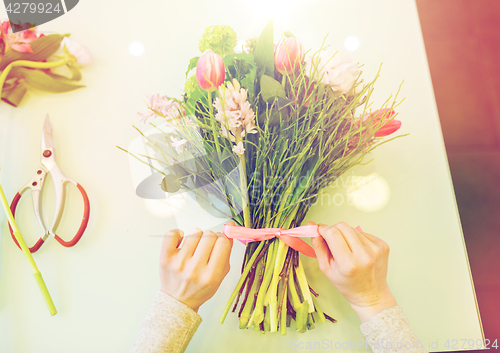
[[238, 148], [80, 54], [178, 143], [234, 111], [339, 72], [19, 41]]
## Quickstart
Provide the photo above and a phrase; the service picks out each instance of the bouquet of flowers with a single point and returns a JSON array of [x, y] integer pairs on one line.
[[256, 136], [28, 59]]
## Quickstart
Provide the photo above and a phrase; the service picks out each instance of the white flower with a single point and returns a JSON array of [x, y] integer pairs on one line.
[[79, 51], [238, 148], [338, 71], [178, 144]]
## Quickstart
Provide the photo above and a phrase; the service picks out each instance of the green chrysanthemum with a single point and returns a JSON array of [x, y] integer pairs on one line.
[[221, 39]]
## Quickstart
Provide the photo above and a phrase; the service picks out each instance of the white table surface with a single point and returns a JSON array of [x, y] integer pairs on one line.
[[103, 287]]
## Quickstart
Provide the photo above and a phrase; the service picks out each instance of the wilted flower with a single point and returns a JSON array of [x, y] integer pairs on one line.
[[210, 71], [19, 41], [338, 71], [288, 55], [78, 51]]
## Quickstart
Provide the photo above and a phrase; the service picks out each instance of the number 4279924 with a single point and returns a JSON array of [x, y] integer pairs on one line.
[[31, 7]]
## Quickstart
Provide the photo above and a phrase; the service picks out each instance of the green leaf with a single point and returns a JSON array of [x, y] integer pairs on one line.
[[229, 60], [242, 67], [264, 50], [44, 82], [192, 64], [43, 48], [14, 95], [76, 75], [170, 183], [270, 88]]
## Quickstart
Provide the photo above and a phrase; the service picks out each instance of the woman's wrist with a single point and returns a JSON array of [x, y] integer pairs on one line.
[[384, 301]]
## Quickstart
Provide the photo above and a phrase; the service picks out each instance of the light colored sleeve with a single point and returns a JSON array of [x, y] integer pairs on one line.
[[390, 331], [168, 328]]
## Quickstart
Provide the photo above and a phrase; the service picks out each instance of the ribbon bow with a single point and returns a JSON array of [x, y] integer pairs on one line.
[[290, 237]]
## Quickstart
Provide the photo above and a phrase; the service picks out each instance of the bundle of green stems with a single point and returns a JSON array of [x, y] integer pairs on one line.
[[273, 290]]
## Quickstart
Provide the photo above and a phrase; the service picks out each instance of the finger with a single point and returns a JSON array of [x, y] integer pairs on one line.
[[191, 241], [361, 237], [231, 223], [219, 258], [311, 223], [350, 236], [336, 242], [368, 245], [171, 241], [204, 248], [376, 241], [371, 237], [323, 253]]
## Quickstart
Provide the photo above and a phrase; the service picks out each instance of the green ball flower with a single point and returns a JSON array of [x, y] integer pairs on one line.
[[221, 39], [191, 85]]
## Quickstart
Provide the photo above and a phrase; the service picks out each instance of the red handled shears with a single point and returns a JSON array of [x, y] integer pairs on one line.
[[36, 184]]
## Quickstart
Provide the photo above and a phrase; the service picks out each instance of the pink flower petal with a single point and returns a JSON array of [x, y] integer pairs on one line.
[[22, 48], [388, 128]]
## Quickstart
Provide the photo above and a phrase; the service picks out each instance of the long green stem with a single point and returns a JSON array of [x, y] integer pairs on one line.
[[240, 282], [272, 295], [304, 287], [244, 187], [270, 262], [30, 64], [245, 314], [321, 315]]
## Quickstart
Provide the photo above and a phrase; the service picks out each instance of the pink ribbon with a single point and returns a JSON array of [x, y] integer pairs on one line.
[[289, 236]]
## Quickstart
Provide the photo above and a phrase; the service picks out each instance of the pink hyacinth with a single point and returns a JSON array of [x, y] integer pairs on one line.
[[168, 108]]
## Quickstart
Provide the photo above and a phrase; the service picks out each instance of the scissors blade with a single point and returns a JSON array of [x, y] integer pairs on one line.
[[47, 138]]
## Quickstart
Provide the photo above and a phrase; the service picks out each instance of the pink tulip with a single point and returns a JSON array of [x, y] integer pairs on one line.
[[383, 115], [288, 55], [210, 71]]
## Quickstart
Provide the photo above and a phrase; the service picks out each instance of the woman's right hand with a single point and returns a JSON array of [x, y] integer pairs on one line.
[[356, 263]]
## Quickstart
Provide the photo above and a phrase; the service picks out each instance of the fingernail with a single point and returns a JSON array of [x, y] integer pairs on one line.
[[194, 231]]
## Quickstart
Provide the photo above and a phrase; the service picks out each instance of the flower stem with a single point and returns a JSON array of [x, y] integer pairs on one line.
[[304, 287], [243, 186], [318, 309], [270, 262], [241, 281], [249, 305], [30, 64], [272, 292]]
